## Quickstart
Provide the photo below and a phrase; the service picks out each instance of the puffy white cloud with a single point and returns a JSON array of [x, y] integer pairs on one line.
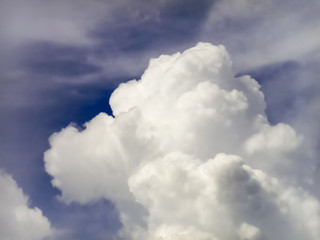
[[17, 220], [189, 154]]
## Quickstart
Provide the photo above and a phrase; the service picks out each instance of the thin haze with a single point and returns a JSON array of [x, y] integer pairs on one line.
[[221, 123]]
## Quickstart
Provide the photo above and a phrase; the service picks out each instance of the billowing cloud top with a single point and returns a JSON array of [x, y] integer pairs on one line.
[[17, 220], [189, 154]]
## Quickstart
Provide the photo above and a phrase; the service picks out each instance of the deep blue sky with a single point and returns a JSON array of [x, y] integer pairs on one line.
[[61, 60]]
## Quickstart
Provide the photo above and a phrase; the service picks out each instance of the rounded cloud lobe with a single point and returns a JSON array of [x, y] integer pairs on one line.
[[17, 219], [189, 154]]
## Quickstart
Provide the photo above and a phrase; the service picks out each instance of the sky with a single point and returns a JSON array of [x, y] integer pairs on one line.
[[159, 120]]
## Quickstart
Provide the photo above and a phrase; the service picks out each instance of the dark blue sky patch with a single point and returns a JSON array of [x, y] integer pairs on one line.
[[270, 72], [174, 22], [187, 9], [57, 60], [286, 86], [95, 221], [273, 79], [80, 104], [63, 68], [183, 18]]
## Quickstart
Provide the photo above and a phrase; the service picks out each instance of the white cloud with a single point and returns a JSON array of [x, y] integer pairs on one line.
[[189, 154], [17, 220]]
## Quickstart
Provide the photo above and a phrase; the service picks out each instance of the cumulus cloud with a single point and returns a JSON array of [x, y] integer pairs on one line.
[[189, 154], [18, 220]]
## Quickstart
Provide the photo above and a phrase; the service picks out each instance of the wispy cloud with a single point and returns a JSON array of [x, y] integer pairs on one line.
[[265, 32]]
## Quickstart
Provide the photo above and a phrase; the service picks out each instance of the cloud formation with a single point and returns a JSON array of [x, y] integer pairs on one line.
[[18, 220], [189, 154]]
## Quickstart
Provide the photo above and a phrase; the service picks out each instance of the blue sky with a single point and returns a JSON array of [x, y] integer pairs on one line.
[[61, 60]]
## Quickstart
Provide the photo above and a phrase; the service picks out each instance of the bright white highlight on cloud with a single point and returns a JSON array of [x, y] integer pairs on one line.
[[189, 154], [17, 220]]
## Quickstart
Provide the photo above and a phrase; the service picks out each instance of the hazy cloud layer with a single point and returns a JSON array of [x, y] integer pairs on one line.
[[131, 32], [190, 154], [265, 32], [65, 22], [17, 219]]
